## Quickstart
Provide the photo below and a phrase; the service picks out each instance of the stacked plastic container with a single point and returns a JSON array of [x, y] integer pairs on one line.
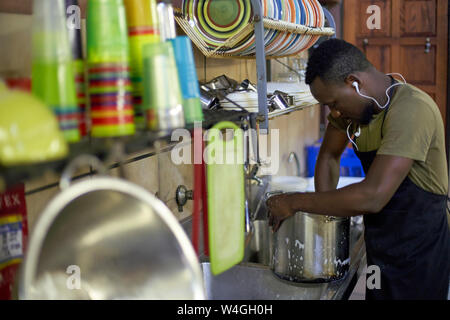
[[137, 72], [187, 74], [74, 29], [109, 83], [143, 29], [52, 66], [162, 97]]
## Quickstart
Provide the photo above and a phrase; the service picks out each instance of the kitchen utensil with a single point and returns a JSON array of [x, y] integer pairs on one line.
[[247, 85], [29, 131], [108, 59], [207, 99], [122, 240], [226, 197], [75, 40], [162, 97], [187, 73], [143, 28], [300, 92], [53, 78], [309, 247], [166, 20], [222, 83], [278, 102], [216, 21]]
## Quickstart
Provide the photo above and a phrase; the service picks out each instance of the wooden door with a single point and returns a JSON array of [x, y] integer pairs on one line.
[[411, 40]]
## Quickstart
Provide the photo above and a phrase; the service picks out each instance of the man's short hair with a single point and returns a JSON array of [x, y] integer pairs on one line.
[[334, 60]]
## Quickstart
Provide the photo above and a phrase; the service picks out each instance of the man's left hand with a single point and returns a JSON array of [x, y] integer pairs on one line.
[[279, 207]]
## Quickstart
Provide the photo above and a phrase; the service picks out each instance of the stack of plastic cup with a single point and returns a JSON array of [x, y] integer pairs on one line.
[[166, 20], [187, 73], [52, 67], [142, 29], [78, 62], [162, 97], [109, 85]]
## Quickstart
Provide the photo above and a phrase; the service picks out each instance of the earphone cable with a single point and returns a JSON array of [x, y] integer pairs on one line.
[[356, 86]]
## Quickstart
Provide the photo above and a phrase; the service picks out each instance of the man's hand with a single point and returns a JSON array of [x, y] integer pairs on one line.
[[280, 209]]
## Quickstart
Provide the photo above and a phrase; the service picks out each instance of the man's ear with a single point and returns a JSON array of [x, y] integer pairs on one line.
[[351, 78]]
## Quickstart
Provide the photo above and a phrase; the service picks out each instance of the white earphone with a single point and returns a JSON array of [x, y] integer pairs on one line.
[[357, 134], [356, 86]]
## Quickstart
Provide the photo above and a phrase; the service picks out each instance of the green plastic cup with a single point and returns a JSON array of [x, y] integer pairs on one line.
[[52, 66], [107, 35], [162, 95]]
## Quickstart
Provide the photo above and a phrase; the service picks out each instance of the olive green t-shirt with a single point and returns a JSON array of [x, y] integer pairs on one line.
[[413, 128]]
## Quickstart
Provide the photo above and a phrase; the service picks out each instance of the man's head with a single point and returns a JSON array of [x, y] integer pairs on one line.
[[332, 70]]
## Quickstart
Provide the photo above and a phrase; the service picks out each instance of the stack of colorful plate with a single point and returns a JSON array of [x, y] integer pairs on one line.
[[215, 21]]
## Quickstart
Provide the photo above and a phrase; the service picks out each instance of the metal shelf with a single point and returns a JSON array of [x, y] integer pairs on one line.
[[278, 113], [258, 24], [101, 148]]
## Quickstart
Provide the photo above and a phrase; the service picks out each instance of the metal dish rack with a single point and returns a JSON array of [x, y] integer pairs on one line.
[[257, 25]]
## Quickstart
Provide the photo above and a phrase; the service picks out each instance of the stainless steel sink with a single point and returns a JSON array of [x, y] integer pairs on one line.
[[253, 279], [254, 282], [249, 281]]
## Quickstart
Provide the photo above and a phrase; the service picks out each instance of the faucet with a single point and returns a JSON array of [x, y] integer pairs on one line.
[[293, 156], [253, 176]]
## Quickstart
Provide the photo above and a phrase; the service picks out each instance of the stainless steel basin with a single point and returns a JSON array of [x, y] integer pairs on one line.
[[125, 244], [248, 281], [253, 279], [255, 282]]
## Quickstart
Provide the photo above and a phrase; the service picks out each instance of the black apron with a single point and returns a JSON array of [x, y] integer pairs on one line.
[[409, 240]]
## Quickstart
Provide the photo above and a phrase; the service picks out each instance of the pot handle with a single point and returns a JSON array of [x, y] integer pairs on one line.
[[82, 160]]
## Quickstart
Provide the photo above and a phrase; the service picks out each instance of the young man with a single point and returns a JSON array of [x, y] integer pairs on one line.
[[398, 134]]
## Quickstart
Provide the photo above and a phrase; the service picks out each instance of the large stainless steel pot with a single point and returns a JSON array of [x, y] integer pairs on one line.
[[123, 242], [310, 247]]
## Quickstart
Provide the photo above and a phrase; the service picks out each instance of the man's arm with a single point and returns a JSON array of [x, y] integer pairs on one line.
[[326, 176], [369, 196]]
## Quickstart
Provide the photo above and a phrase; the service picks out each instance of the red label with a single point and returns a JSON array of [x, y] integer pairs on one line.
[[13, 236]]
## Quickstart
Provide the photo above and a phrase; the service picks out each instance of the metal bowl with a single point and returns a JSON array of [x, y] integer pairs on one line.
[[106, 238]]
